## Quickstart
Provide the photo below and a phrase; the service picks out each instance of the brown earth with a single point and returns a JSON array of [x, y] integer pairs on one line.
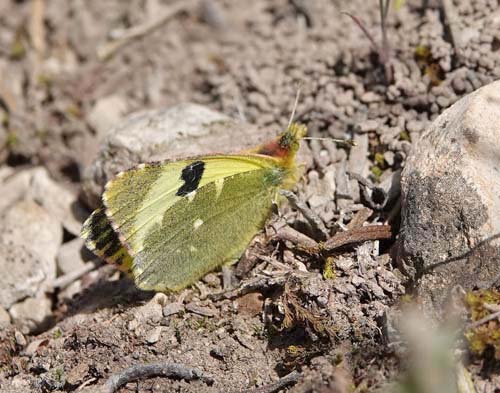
[[332, 322]]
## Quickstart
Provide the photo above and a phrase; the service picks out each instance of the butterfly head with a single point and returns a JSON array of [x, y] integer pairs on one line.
[[285, 146], [290, 139]]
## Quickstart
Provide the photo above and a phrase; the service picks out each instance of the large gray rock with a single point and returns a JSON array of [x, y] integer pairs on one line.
[[36, 184], [106, 112], [23, 274], [33, 315], [451, 199], [29, 241], [180, 131], [58, 200], [30, 225], [4, 318], [13, 185], [70, 256]]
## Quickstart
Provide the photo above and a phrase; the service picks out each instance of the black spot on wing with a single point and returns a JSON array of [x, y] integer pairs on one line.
[[191, 175]]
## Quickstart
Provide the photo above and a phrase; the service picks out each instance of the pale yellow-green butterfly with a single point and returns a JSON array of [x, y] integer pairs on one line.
[[169, 223]]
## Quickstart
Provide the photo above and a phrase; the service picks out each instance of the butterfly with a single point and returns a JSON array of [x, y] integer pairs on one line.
[[169, 223]]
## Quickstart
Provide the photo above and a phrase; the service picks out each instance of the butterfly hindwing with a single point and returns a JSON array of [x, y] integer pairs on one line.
[[180, 220], [101, 239]]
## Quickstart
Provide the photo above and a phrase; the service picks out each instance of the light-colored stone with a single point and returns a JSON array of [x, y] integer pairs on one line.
[[32, 315], [172, 308], [78, 373], [153, 335], [69, 257], [367, 126], [106, 113], [6, 172], [70, 291], [358, 163], [4, 318], [13, 185], [200, 310], [29, 241], [20, 339], [32, 348], [19, 384], [36, 184], [30, 225], [343, 186], [451, 199], [59, 201], [180, 131], [370, 97], [152, 310], [321, 190], [23, 274]]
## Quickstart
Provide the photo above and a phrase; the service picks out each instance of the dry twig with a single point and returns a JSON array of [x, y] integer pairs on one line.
[[311, 217], [358, 235], [169, 370], [452, 21], [487, 318], [351, 236], [287, 380], [360, 218], [302, 241], [110, 48], [65, 280], [253, 285]]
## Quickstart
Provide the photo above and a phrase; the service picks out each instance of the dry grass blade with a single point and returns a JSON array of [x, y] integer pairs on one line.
[[365, 31], [37, 26], [452, 21]]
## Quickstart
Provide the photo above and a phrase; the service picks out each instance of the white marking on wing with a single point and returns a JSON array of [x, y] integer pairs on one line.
[[198, 223]]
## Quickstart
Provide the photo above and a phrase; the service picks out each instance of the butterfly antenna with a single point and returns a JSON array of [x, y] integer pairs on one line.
[[297, 96], [348, 142]]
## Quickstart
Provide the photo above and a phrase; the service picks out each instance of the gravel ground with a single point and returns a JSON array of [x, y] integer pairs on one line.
[[331, 323]]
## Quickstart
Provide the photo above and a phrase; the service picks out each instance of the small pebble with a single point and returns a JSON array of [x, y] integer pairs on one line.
[[200, 310], [369, 97], [20, 339], [172, 308], [153, 335], [414, 126], [368, 126], [344, 264], [357, 280], [443, 102]]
